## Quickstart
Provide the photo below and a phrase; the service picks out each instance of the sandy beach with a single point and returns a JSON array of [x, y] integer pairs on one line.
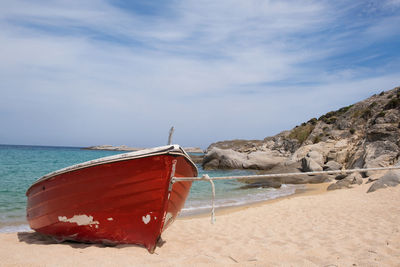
[[318, 228]]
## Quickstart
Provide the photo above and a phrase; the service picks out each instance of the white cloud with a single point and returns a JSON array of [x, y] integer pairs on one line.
[[393, 3], [89, 73]]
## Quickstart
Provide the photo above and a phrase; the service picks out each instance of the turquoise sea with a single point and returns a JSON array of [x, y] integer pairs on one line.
[[21, 165]]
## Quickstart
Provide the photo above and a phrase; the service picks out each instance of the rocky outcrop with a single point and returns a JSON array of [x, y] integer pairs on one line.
[[363, 135], [218, 158]]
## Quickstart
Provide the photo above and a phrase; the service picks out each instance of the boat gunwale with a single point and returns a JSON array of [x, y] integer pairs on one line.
[[163, 150]]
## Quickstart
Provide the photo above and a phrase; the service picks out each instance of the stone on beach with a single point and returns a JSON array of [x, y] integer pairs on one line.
[[391, 178], [346, 181], [339, 185], [355, 178]]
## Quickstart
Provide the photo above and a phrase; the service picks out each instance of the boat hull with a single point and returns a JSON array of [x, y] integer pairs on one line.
[[122, 202]]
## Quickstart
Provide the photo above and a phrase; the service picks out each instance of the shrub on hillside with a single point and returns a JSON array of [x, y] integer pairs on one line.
[[393, 103], [301, 133]]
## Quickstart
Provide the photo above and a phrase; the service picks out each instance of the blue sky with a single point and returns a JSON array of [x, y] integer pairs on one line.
[[81, 73]]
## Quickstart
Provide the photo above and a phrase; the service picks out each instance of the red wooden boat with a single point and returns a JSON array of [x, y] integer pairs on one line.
[[121, 199]]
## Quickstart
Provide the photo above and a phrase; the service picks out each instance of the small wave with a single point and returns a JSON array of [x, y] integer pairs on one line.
[[199, 206], [15, 228]]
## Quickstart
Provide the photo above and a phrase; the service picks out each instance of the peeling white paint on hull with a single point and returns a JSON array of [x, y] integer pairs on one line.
[[146, 219], [80, 220]]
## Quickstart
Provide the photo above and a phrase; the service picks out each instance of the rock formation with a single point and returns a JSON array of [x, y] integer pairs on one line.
[[363, 135], [218, 158]]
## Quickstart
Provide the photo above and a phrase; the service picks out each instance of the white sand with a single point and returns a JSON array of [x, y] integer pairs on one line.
[[339, 228]]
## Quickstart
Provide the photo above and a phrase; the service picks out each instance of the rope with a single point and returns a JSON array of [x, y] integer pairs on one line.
[[205, 177], [261, 176]]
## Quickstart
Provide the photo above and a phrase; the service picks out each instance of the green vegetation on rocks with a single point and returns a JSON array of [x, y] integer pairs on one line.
[[366, 114], [393, 103], [302, 132], [331, 116], [381, 114], [316, 140], [313, 121]]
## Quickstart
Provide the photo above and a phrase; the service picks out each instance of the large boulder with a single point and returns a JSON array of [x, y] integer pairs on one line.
[[391, 178], [305, 179], [339, 152], [218, 158], [262, 161], [357, 159], [316, 156], [310, 165], [286, 167], [196, 158], [383, 132], [282, 143], [340, 176], [332, 166], [380, 154], [210, 163], [316, 151], [355, 178], [277, 181], [263, 184], [344, 183]]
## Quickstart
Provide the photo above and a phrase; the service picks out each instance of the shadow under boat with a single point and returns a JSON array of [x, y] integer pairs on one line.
[[35, 238]]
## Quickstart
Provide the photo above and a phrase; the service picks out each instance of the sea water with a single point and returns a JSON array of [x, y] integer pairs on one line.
[[20, 166]]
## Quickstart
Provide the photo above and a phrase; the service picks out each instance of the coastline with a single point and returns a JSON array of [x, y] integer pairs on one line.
[[313, 228], [196, 213], [310, 189]]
